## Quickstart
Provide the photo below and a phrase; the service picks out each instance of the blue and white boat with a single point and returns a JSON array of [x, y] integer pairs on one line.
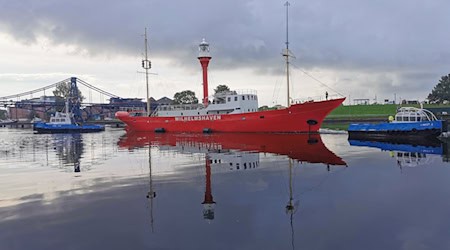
[[409, 155], [64, 123], [410, 122]]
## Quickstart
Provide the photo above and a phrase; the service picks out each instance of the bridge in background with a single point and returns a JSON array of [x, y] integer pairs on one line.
[[23, 106]]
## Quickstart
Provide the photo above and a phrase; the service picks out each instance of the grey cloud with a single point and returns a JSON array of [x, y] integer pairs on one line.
[[366, 36]]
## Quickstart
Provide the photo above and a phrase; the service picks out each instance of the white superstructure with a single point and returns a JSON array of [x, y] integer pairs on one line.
[[229, 102]]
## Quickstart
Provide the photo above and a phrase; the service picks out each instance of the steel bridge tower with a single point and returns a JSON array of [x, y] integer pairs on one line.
[[74, 100]]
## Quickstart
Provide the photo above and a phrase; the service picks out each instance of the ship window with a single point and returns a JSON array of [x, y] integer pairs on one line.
[[238, 108], [419, 118], [229, 99], [413, 119], [243, 97], [231, 164], [262, 117], [406, 118], [235, 98], [245, 165], [217, 112]]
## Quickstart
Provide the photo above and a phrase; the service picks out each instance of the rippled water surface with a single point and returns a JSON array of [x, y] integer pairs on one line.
[[113, 190]]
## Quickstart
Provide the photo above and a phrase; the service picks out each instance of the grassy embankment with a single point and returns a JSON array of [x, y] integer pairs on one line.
[[342, 116]]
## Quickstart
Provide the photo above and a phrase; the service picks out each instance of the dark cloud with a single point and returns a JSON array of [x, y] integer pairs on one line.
[[378, 37]]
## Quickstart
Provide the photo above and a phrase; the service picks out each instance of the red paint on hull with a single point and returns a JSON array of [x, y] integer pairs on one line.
[[290, 120], [301, 147]]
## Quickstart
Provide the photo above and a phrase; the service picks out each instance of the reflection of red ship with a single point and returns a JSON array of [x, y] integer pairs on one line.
[[301, 147]]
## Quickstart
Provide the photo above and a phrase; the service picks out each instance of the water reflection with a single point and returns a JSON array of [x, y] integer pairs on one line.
[[69, 148], [235, 152], [300, 147], [21, 149], [409, 153], [219, 192]]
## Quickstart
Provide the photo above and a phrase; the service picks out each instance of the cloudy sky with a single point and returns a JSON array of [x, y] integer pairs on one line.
[[358, 49]]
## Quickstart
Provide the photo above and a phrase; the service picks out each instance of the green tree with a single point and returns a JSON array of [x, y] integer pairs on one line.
[[221, 88], [185, 97], [441, 92], [63, 90]]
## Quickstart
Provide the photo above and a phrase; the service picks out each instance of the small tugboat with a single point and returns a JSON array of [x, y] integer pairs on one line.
[[409, 122], [65, 123]]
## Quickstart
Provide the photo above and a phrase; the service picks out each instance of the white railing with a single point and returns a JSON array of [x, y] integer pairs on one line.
[[238, 92], [179, 107], [315, 98]]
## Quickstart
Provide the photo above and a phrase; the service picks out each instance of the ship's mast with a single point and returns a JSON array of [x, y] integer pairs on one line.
[[146, 64], [287, 53]]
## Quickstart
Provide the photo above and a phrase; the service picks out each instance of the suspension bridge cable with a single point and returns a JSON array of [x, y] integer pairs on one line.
[[35, 90], [54, 85], [96, 89]]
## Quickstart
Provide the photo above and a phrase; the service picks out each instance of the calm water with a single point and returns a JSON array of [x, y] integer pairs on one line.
[[113, 190]]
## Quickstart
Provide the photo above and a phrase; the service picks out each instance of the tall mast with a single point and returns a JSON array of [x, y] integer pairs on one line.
[[146, 64], [287, 54]]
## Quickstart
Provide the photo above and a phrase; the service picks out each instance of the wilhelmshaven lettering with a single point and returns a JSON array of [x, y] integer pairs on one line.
[[198, 118]]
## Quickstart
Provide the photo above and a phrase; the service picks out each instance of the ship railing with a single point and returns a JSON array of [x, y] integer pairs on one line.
[[315, 98], [236, 92], [412, 113], [246, 92], [179, 107]]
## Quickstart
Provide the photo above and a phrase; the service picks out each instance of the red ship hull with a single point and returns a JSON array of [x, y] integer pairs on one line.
[[304, 117]]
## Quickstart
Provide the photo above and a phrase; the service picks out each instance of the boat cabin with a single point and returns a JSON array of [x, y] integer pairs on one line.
[[411, 114], [61, 118], [230, 102]]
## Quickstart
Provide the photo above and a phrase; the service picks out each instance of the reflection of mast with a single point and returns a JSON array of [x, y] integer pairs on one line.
[[208, 202], [151, 194], [290, 208]]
